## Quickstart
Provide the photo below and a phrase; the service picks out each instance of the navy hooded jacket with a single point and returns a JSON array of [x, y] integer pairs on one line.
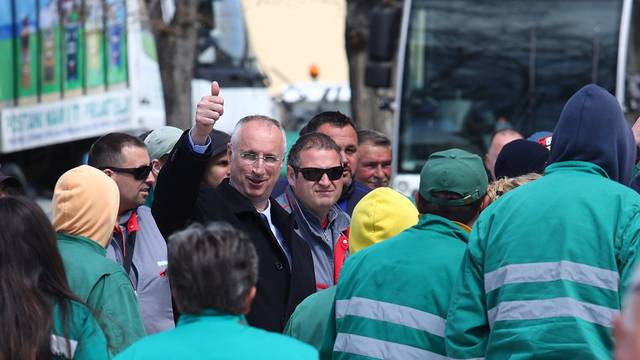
[[592, 128]]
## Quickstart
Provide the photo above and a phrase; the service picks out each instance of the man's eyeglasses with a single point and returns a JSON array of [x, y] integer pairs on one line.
[[139, 173], [315, 174], [251, 158]]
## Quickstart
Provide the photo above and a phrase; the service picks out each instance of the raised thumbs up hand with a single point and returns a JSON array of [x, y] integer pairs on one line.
[[210, 108]]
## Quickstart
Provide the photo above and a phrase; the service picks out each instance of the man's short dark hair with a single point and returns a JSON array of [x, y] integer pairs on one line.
[[335, 118], [212, 267], [462, 214], [314, 140], [376, 138], [107, 150]]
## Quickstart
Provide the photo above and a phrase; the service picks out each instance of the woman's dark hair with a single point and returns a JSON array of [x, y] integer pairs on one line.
[[32, 281]]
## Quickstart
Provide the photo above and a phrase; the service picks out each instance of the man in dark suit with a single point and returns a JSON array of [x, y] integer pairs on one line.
[[256, 154]]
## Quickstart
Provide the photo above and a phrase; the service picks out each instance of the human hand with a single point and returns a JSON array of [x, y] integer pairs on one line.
[[209, 110]]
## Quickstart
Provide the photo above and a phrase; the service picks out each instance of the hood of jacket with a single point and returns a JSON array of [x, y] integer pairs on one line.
[[592, 128], [379, 215], [85, 203]]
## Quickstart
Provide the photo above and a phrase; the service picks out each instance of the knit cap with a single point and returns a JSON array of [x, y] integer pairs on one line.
[[379, 215]]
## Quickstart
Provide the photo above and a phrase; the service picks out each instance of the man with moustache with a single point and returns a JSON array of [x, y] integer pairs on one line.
[[256, 153], [314, 173], [374, 159]]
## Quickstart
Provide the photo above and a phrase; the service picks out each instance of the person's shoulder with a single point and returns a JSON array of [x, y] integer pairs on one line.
[[360, 189], [77, 315], [283, 346], [149, 347]]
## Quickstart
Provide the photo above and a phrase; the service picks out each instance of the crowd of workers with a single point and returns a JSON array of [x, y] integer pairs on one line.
[[190, 245]]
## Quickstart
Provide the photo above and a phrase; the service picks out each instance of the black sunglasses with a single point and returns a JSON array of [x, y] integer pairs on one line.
[[139, 173], [315, 174]]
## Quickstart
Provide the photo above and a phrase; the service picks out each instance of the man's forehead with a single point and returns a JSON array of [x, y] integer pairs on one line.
[[315, 155], [260, 136], [134, 154]]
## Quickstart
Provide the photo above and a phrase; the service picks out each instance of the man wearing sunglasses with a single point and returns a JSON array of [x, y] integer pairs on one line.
[[314, 172], [256, 153], [341, 129], [137, 243]]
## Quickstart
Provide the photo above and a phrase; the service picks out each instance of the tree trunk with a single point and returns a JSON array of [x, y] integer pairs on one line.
[[365, 102], [176, 46]]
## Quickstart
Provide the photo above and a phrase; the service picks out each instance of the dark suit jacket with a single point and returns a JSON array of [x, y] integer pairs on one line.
[[180, 198]]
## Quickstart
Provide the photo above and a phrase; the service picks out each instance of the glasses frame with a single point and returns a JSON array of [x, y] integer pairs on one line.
[[310, 173], [269, 160], [139, 173]]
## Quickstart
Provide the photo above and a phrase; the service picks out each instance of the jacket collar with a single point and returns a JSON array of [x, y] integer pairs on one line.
[[443, 226], [580, 166], [209, 316], [336, 217], [239, 204], [83, 242]]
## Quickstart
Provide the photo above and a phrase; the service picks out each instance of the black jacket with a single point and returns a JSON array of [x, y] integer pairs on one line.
[[180, 198]]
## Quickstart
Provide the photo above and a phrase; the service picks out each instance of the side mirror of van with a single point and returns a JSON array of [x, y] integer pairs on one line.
[[384, 24]]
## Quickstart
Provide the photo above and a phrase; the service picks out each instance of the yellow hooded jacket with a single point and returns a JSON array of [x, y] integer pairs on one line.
[[85, 207]]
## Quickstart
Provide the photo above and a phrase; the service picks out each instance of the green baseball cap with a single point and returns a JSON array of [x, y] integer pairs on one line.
[[456, 171]]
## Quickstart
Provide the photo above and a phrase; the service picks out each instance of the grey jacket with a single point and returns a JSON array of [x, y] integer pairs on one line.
[[148, 272], [322, 242]]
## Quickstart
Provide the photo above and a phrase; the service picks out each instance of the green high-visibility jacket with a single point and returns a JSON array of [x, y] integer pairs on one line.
[[313, 322], [392, 298], [102, 284], [546, 268], [213, 335], [78, 335]]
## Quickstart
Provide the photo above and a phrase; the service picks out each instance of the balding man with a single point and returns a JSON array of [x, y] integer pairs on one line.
[[256, 154], [498, 141]]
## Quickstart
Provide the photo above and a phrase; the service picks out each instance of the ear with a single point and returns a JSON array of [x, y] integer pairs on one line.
[[108, 172], [248, 300], [291, 175], [417, 198], [486, 201], [155, 166]]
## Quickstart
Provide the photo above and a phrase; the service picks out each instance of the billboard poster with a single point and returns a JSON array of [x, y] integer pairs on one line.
[[26, 57], [116, 42], [6, 61], [94, 35], [50, 35], [72, 64]]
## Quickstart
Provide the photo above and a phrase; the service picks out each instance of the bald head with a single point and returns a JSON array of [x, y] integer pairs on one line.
[[498, 141]]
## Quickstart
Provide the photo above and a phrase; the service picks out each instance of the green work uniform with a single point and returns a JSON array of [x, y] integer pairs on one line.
[[547, 266], [102, 284], [78, 335], [313, 322], [392, 297], [217, 336]]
